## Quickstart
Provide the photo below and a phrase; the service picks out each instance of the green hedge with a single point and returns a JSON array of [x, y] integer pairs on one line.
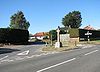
[[14, 36], [74, 33]]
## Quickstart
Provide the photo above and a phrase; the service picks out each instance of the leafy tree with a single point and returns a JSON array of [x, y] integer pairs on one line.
[[72, 19], [18, 21], [53, 34], [63, 30]]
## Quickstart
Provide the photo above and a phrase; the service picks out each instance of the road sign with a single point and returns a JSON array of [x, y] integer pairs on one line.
[[88, 34]]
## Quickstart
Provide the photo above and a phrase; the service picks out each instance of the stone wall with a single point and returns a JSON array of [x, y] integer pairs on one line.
[[67, 41], [64, 39], [74, 39]]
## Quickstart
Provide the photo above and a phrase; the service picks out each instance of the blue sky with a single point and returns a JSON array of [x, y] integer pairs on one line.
[[45, 15]]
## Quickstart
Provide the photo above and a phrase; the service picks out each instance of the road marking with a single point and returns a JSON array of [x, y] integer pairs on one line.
[[87, 47], [19, 58], [7, 60], [4, 57], [91, 52], [56, 65], [24, 53]]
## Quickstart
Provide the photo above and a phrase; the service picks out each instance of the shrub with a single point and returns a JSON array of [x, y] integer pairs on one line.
[[74, 33], [13, 36]]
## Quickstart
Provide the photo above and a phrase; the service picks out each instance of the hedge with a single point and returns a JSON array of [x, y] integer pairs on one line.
[[74, 32], [13, 36]]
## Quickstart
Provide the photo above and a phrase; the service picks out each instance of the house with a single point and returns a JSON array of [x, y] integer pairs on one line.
[[41, 35], [31, 36], [89, 28]]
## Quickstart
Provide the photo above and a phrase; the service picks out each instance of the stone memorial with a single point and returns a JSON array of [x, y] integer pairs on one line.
[[58, 43]]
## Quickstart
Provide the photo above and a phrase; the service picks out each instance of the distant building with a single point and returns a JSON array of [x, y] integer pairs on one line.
[[88, 28], [41, 35], [31, 36]]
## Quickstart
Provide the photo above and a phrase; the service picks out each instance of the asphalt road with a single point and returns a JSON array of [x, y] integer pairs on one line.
[[78, 60], [15, 52]]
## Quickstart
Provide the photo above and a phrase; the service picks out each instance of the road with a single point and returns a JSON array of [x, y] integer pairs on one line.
[[8, 53], [78, 60]]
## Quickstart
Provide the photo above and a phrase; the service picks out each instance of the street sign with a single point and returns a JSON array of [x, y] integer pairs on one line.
[[88, 34]]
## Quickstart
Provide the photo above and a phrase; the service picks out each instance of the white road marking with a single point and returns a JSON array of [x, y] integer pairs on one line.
[[30, 56], [91, 52], [19, 58], [7, 60], [4, 57], [56, 65], [86, 47], [24, 53]]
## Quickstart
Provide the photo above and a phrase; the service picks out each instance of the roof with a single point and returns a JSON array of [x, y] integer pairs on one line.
[[89, 28], [40, 34]]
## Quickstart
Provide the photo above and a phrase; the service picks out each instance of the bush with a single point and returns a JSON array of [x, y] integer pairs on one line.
[[13, 36], [74, 33]]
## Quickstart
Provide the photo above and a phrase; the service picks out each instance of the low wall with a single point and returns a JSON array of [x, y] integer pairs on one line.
[[64, 38], [74, 39]]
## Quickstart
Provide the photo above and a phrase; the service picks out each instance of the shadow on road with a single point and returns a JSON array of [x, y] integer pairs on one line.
[[7, 50], [36, 43]]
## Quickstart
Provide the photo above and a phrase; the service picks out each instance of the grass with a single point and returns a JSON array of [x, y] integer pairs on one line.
[[71, 45], [52, 48], [97, 40]]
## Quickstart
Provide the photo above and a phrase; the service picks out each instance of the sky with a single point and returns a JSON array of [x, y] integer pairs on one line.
[[45, 15]]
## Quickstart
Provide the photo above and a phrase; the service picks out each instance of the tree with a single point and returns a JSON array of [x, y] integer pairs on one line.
[[18, 21], [53, 35], [72, 19]]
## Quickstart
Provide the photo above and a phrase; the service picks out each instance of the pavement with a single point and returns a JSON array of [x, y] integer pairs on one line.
[[84, 59]]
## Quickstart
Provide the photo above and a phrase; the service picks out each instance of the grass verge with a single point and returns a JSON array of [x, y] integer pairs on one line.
[[52, 48]]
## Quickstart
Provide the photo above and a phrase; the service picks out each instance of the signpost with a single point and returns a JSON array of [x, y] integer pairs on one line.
[[88, 35]]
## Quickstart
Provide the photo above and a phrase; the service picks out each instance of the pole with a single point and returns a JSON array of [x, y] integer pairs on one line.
[[88, 36], [58, 36], [51, 40]]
